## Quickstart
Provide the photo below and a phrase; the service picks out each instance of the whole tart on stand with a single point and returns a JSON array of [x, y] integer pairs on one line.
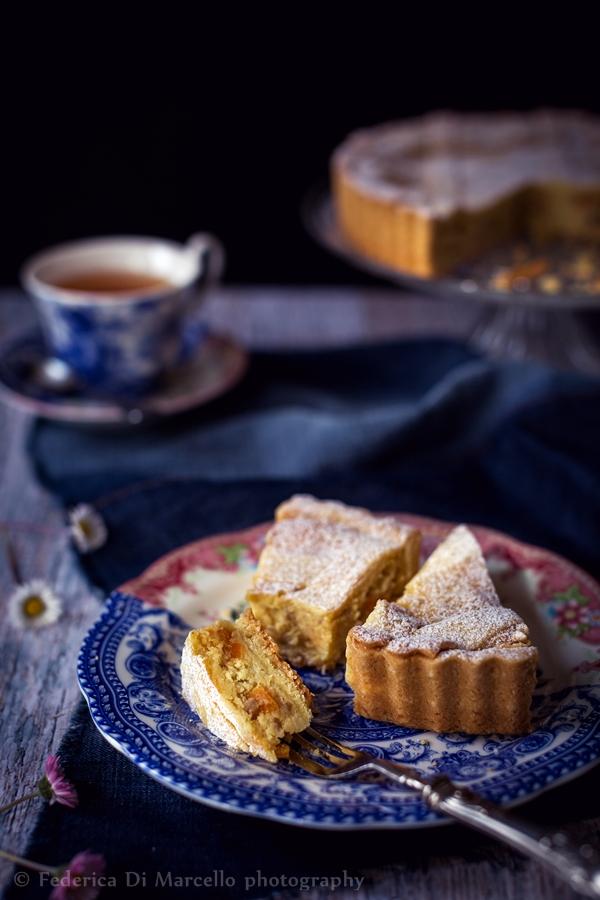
[[499, 209], [428, 194]]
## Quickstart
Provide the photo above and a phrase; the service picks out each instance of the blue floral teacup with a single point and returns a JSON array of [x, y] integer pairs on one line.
[[120, 311]]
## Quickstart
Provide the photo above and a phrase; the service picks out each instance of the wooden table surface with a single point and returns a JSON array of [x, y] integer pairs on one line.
[[38, 687]]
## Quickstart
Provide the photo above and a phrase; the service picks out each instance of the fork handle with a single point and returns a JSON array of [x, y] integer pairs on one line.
[[579, 866]]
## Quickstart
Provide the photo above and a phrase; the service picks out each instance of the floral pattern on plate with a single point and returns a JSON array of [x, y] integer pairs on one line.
[[129, 674]]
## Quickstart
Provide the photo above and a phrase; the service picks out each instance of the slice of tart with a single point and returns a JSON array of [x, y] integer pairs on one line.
[[447, 656], [323, 567], [234, 678]]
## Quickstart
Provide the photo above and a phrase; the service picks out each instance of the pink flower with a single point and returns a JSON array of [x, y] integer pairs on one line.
[[79, 879], [54, 787], [572, 612]]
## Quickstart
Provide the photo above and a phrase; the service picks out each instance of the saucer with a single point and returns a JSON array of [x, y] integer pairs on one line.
[[218, 364]]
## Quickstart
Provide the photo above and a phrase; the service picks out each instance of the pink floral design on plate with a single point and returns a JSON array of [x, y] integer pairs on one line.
[[223, 552], [571, 598]]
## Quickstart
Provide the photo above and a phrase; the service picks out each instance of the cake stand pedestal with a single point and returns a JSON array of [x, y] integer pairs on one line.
[[552, 336], [547, 328]]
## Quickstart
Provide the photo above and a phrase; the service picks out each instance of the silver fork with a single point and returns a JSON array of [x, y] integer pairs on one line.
[[579, 866]]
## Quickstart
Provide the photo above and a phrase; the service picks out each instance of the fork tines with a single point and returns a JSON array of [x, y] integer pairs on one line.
[[319, 754]]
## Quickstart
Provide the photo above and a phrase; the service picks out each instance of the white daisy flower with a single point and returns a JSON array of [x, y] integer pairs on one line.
[[87, 528], [33, 605]]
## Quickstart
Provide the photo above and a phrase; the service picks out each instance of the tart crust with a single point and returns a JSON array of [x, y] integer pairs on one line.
[[428, 194], [447, 657], [323, 567]]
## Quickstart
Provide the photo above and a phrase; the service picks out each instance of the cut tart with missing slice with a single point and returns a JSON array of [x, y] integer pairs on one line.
[[426, 195], [233, 676], [323, 567], [448, 656]]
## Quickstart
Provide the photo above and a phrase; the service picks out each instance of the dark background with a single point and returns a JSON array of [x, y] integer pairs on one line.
[[223, 123]]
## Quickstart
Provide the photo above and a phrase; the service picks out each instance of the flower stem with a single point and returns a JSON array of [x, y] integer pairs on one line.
[[16, 802], [13, 560], [28, 863]]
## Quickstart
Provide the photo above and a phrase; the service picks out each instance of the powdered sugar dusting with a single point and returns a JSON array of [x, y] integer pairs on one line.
[[443, 162], [450, 605], [454, 579], [491, 627], [318, 551], [304, 506]]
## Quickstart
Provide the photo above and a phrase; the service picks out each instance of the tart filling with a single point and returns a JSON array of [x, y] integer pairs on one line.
[[322, 570], [234, 678]]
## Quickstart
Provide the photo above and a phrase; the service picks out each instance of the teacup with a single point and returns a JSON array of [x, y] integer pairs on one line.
[[120, 311]]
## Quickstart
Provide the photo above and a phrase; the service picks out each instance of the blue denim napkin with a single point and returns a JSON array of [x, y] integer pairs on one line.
[[517, 445]]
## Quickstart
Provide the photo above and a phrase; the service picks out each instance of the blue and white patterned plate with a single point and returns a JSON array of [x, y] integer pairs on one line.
[[129, 673]]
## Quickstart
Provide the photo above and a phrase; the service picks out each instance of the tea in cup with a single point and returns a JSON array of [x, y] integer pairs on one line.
[[120, 311]]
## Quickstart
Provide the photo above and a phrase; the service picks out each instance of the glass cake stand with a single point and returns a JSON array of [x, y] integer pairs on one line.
[[522, 324]]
